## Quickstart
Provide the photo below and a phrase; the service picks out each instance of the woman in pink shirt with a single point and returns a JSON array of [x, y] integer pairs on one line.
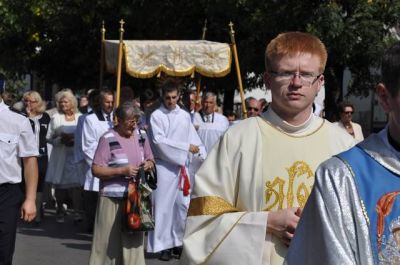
[[120, 153]]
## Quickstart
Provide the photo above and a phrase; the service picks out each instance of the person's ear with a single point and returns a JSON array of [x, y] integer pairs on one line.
[[321, 82], [383, 97]]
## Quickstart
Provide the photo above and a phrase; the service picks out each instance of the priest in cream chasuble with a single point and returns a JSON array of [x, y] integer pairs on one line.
[[249, 193], [248, 174]]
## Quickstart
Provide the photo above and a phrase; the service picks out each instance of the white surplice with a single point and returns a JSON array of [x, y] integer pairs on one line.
[[171, 133], [79, 156], [210, 132], [259, 165], [94, 126]]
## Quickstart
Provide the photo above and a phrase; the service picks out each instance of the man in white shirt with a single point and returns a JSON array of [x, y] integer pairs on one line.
[[175, 144], [210, 125], [16, 141], [94, 126]]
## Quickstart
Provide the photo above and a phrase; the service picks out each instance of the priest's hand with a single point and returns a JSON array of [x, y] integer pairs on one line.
[[283, 223], [194, 149]]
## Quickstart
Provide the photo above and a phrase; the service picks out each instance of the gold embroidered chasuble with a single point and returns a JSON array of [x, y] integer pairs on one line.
[[261, 164]]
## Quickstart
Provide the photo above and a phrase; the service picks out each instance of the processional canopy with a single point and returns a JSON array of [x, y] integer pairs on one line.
[[145, 59]]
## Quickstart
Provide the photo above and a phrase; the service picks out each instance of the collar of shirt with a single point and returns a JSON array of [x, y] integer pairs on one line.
[[105, 115], [285, 126], [166, 110], [209, 118]]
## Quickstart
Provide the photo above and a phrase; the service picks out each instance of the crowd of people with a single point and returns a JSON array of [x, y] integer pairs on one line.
[[229, 191]]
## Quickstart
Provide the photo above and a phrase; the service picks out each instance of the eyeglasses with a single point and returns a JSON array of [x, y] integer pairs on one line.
[[251, 108], [307, 79], [348, 112], [131, 122]]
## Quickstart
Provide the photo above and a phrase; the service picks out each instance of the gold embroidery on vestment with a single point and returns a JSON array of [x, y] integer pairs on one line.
[[274, 190], [302, 195], [279, 195], [210, 205]]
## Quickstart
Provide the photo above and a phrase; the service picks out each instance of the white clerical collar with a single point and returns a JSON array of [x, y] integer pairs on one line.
[[208, 118], [272, 117], [107, 114]]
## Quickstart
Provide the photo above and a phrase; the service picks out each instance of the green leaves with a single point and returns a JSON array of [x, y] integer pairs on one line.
[[67, 33]]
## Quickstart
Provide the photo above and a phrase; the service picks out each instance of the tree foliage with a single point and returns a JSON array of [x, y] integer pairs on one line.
[[60, 39]]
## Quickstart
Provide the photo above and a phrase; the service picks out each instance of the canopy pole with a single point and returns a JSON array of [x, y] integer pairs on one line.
[[119, 66], [239, 78], [198, 81], [103, 38]]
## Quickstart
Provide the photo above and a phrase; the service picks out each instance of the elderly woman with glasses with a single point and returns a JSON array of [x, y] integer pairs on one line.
[[35, 107], [120, 153], [62, 170]]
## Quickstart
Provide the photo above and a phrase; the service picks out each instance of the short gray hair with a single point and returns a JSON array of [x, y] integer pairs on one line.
[[127, 110], [208, 95]]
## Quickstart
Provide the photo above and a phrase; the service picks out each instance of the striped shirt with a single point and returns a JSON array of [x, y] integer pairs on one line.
[[117, 151]]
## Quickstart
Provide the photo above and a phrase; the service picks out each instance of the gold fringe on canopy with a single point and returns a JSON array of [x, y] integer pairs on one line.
[[145, 59]]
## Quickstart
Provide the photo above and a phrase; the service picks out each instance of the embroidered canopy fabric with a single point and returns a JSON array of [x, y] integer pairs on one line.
[[145, 59]]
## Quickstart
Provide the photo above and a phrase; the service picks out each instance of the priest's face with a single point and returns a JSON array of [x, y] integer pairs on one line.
[[107, 103], [170, 99], [294, 81], [208, 105], [253, 108]]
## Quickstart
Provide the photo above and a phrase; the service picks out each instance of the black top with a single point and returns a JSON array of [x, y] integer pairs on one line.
[[44, 125]]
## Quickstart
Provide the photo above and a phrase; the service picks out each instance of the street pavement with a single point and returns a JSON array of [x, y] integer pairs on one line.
[[51, 243]]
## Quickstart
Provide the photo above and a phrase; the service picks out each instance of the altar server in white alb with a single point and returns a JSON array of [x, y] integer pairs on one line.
[[210, 125], [175, 144], [251, 189]]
